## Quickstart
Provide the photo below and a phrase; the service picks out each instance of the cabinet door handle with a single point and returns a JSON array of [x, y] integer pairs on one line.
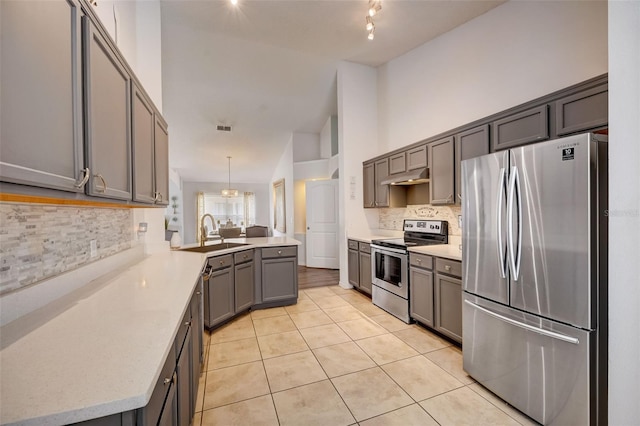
[[460, 197], [104, 183], [159, 197], [187, 323], [198, 293], [419, 260], [447, 267], [279, 251], [85, 178], [222, 262]]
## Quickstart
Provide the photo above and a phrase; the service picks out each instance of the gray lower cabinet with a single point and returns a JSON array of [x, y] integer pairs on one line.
[[220, 296], [448, 298], [359, 265], [469, 144], [244, 280], [353, 263], [183, 378], [421, 289], [197, 342], [41, 84], [365, 269], [522, 128], [441, 169], [107, 98], [279, 274], [172, 400]]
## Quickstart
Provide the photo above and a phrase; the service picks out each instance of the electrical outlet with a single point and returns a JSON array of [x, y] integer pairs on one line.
[[94, 248]]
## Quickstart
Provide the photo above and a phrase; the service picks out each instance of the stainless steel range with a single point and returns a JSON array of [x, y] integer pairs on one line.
[[390, 266]]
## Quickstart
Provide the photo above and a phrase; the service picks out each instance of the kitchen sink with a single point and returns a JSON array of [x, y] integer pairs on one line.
[[214, 247]]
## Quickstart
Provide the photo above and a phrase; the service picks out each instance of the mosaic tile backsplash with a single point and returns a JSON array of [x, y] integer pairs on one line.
[[41, 241], [392, 218]]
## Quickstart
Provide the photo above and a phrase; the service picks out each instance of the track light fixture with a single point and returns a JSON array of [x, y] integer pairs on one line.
[[374, 7]]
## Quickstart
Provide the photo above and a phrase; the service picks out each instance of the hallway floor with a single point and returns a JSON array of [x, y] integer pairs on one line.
[[336, 359]]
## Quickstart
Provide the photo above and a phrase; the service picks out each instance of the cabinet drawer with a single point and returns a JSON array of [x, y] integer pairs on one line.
[[268, 253], [353, 245], [364, 247], [220, 262], [243, 256], [421, 260], [449, 267]]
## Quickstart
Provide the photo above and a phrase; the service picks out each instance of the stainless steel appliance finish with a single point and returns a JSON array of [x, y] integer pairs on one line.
[[390, 264], [534, 277]]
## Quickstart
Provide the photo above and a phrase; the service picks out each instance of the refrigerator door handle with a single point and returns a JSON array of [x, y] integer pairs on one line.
[[514, 252], [501, 251], [527, 327]]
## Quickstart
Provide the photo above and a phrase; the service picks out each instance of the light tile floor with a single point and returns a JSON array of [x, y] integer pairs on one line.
[[336, 359]]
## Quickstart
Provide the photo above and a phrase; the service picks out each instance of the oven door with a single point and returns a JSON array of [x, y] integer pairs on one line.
[[389, 270]]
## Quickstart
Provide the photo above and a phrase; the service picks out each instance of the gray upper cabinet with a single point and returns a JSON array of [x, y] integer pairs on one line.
[[368, 186], [469, 144], [41, 103], [441, 169], [398, 163], [107, 119], [583, 111], [381, 191], [417, 158], [142, 131], [522, 128], [161, 161]]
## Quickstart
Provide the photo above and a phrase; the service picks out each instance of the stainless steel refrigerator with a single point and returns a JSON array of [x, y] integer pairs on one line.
[[535, 277]]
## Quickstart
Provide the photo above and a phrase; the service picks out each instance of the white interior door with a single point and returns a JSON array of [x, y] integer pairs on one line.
[[322, 224]]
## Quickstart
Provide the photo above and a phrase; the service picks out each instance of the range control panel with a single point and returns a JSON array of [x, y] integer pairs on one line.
[[426, 226]]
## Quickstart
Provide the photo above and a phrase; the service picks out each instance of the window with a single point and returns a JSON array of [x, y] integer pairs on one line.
[[241, 210]]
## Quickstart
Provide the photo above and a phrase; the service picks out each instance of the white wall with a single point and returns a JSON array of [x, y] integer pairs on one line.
[[191, 189], [284, 169], [306, 146], [624, 206], [514, 53], [357, 138], [136, 28]]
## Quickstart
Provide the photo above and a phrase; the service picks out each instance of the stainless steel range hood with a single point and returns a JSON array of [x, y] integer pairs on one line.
[[412, 177]]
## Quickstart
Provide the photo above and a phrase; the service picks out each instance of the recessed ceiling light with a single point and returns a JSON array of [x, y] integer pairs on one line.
[[234, 2]]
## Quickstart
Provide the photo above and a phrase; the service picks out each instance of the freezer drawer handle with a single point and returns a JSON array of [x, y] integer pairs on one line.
[[525, 326]]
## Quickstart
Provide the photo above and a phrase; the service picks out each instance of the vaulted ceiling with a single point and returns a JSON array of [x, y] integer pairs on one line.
[[268, 69]]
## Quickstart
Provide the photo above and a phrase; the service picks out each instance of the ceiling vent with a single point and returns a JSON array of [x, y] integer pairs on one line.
[[224, 128]]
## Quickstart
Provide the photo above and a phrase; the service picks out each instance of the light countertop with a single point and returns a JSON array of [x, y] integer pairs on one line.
[[449, 251], [99, 350]]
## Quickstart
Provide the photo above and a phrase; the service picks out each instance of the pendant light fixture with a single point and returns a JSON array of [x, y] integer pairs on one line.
[[229, 192]]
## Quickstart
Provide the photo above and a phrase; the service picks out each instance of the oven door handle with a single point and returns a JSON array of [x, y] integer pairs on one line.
[[387, 249]]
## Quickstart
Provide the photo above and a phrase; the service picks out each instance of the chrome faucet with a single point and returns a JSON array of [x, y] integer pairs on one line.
[[204, 237]]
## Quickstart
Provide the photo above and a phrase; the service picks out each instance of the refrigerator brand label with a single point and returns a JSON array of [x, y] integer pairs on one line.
[[568, 154]]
